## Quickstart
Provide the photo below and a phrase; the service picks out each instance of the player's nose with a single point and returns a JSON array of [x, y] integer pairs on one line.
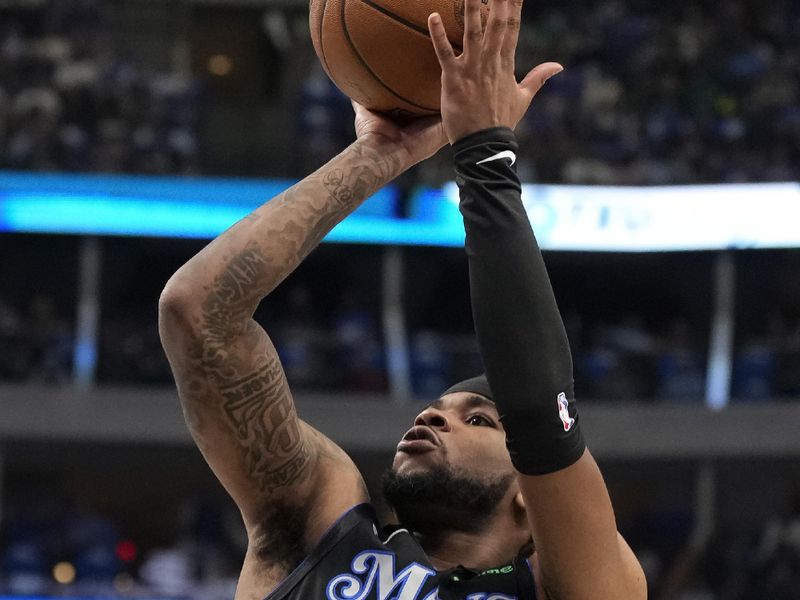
[[433, 418]]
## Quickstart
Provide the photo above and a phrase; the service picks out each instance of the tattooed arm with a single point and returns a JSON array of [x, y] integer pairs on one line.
[[230, 381]]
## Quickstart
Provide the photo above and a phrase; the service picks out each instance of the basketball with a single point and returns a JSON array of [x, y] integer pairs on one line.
[[379, 53]]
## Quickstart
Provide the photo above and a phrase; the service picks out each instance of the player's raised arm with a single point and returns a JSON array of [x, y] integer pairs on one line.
[[520, 332], [231, 384]]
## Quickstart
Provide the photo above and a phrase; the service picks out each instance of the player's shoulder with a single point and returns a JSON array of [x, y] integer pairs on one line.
[[279, 566]]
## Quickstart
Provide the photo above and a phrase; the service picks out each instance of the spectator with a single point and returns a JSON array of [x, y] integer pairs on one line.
[[69, 102]]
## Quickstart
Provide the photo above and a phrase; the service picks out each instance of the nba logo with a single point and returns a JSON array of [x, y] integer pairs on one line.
[[563, 412]]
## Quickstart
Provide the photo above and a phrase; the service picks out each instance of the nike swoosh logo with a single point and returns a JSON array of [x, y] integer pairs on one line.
[[500, 156]]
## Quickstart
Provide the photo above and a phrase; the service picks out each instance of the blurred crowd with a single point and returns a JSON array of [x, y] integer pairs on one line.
[[340, 351], [668, 363], [70, 100], [760, 565], [36, 342], [652, 94], [672, 93], [51, 545], [343, 349]]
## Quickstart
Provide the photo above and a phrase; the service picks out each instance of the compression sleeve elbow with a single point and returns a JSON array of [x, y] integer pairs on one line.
[[520, 332]]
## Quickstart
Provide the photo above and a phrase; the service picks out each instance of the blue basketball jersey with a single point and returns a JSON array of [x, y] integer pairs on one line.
[[357, 560]]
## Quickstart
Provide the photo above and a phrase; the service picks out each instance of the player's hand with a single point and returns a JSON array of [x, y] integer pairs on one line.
[[479, 89], [417, 140]]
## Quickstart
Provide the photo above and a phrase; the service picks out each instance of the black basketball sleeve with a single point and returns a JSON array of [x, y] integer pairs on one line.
[[520, 332]]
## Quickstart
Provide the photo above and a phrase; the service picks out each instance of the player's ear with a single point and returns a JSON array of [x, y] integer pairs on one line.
[[519, 501]]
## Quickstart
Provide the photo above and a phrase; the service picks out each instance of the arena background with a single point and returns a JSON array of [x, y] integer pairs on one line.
[[682, 304]]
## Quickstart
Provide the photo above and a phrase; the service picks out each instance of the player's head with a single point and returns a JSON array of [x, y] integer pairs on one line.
[[452, 467]]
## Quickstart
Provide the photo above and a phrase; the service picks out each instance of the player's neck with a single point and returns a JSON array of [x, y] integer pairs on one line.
[[494, 546]]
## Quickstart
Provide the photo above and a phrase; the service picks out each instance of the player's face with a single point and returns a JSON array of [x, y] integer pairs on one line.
[[462, 430]]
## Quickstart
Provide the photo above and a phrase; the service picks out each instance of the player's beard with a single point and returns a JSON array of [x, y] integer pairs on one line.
[[442, 499]]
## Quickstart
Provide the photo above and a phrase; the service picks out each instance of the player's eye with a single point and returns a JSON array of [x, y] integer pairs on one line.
[[479, 420]]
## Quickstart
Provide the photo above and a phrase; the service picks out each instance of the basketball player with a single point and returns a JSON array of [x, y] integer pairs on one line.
[[496, 495]]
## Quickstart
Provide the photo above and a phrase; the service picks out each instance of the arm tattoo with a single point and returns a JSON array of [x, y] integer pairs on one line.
[[285, 230], [275, 454], [231, 296], [229, 358], [334, 182]]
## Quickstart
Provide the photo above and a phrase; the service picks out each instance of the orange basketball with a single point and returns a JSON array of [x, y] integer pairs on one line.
[[379, 53]]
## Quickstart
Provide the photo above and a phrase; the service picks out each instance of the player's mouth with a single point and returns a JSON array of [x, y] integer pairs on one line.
[[419, 439]]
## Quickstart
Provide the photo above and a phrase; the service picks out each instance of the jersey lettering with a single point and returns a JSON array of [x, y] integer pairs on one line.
[[373, 576], [375, 570]]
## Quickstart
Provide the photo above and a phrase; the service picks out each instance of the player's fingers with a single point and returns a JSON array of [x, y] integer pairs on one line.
[[534, 80], [495, 27], [473, 29], [513, 23], [360, 113], [442, 45]]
